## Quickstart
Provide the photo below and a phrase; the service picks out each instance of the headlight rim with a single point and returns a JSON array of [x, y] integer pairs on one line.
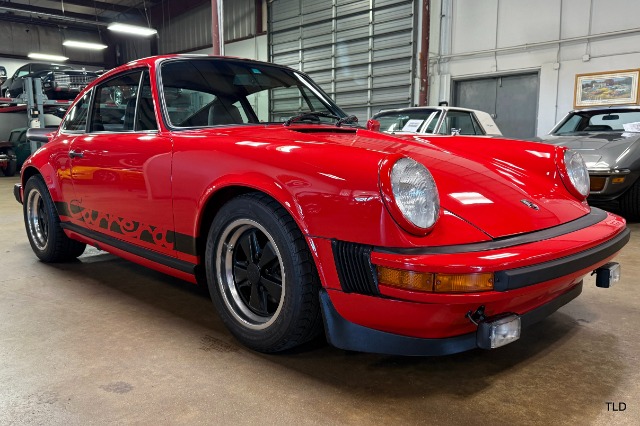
[[566, 175], [390, 203]]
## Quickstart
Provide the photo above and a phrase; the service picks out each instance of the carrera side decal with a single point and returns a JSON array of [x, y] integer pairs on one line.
[[147, 234], [154, 256]]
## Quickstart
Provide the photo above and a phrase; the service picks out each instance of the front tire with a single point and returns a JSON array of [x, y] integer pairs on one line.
[[261, 275], [47, 239]]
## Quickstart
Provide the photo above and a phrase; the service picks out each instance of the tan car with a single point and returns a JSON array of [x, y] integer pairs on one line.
[[442, 120]]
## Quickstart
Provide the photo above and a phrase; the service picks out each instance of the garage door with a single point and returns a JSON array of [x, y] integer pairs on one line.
[[360, 52], [512, 100]]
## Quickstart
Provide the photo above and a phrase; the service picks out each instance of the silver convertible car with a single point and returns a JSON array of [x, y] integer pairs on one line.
[[443, 120], [608, 140]]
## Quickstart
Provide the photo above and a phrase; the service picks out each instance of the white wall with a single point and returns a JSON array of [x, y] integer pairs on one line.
[[461, 44], [253, 48]]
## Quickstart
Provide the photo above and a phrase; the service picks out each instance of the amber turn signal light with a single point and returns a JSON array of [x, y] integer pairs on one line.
[[596, 183], [439, 283], [408, 280], [462, 283]]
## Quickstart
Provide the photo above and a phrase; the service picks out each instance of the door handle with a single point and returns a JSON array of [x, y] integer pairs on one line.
[[74, 154]]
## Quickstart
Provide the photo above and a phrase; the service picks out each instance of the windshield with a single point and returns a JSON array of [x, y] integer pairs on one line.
[[598, 121], [210, 92], [420, 120]]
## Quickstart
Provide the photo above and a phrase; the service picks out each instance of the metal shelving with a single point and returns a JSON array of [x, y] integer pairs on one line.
[[35, 102]]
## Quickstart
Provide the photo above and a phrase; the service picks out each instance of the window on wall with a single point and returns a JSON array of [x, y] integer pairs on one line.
[[243, 19]]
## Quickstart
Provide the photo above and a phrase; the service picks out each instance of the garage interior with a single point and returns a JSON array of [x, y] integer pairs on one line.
[[103, 340]]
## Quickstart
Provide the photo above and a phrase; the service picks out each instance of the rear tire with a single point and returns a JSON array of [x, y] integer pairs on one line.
[[630, 203], [47, 239], [261, 275]]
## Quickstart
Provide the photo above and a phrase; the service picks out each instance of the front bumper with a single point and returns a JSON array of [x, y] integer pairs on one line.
[[610, 185], [531, 271], [17, 192], [344, 334]]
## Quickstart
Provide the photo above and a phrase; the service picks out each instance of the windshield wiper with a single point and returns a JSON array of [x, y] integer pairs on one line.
[[348, 119], [309, 115]]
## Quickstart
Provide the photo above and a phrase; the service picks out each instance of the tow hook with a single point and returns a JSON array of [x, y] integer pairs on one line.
[[477, 316], [607, 275]]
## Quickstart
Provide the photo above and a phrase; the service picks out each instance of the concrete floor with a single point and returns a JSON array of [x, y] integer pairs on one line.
[[104, 341]]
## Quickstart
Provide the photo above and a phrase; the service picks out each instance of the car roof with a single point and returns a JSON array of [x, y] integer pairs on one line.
[[610, 107], [441, 108], [156, 60]]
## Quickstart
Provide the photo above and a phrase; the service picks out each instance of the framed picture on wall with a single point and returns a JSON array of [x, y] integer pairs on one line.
[[606, 88]]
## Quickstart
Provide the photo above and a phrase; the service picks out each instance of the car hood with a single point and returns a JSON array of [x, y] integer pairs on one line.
[[600, 150], [480, 180]]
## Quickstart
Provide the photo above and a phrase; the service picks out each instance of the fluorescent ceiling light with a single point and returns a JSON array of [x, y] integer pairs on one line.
[[132, 29], [84, 45], [45, 57]]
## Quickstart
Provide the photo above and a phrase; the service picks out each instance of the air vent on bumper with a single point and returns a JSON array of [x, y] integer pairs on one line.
[[353, 262]]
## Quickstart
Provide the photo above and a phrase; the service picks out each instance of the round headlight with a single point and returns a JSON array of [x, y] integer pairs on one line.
[[577, 172], [415, 193]]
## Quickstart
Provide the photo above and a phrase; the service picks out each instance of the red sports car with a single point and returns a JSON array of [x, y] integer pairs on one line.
[[247, 177]]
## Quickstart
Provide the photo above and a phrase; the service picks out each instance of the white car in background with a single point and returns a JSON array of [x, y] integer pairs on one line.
[[438, 120]]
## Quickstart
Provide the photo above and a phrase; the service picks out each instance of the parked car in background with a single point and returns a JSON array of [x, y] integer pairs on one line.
[[3, 75], [611, 152], [21, 146], [297, 219], [8, 159], [443, 120], [58, 81]]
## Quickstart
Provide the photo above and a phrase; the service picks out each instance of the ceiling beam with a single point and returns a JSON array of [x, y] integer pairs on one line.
[[45, 12], [54, 14], [100, 5]]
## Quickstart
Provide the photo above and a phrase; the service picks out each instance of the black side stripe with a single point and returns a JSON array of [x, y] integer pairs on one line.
[[182, 243], [62, 208], [151, 255]]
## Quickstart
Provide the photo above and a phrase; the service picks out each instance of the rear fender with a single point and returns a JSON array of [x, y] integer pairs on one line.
[[49, 175]]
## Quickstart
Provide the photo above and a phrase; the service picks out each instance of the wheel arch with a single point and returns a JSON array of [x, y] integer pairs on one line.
[[221, 193], [48, 174]]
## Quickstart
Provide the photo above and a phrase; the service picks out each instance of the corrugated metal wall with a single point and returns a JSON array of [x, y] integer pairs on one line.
[[189, 31], [361, 52], [239, 19]]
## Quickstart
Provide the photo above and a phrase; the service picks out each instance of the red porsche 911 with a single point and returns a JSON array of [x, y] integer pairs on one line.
[[246, 176]]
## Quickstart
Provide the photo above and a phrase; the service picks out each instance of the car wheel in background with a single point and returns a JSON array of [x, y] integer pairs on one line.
[[47, 239], [12, 164], [630, 203], [261, 276]]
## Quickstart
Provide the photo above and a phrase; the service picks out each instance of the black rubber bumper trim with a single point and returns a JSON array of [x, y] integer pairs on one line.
[[344, 334], [151, 255], [595, 216], [541, 272], [17, 191]]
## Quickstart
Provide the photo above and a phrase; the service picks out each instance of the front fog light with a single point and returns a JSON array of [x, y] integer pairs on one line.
[[607, 275], [498, 331]]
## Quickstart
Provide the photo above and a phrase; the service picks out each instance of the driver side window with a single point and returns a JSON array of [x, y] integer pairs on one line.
[[114, 104], [76, 118]]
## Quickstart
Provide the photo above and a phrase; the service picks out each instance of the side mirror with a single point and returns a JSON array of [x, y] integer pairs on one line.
[[373, 125], [37, 134]]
